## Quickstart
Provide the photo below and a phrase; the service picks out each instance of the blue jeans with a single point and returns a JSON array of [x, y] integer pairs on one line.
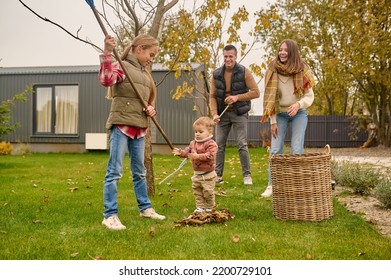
[[119, 144], [299, 125], [239, 125]]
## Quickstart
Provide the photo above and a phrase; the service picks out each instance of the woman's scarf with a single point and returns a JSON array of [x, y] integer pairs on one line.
[[302, 81]]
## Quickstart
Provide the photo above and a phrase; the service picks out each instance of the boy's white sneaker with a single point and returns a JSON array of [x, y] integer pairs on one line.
[[199, 210], [113, 222], [151, 213], [268, 192]]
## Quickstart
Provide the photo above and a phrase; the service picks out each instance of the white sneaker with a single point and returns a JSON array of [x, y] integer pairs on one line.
[[219, 180], [151, 213], [196, 211], [268, 192], [247, 180], [199, 210], [113, 222]]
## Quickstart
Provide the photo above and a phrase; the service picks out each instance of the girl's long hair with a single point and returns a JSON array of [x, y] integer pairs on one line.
[[145, 41]]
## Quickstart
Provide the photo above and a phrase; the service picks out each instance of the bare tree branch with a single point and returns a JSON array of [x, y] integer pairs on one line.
[[114, 29], [132, 14], [64, 29], [160, 11], [170, 5]]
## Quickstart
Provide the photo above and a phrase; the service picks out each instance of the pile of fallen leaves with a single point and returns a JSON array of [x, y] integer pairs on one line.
[[200, 218]]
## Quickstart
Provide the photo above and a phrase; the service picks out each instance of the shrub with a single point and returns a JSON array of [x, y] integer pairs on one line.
[[361, 178], [23, 149], [6, 126], [5, 148], [383, 193], [335, 169]]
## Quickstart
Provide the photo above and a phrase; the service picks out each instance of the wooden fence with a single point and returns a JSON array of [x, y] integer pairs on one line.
[[337, 131]]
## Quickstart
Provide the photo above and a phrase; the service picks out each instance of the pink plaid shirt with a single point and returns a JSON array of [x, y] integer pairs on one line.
[[110, 73]]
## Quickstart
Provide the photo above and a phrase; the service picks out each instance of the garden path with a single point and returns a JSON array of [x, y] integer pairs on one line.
[[369, 207]]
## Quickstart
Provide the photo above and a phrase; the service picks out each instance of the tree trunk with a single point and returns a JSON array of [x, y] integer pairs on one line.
[[148, 162], [384, 117]]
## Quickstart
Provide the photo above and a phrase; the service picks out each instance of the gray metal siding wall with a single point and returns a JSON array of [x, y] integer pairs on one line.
[[93, 107], [321, 130], [176, 117]]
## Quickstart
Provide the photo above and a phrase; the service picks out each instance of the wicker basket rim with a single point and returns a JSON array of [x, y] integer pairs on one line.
[[326, 153]]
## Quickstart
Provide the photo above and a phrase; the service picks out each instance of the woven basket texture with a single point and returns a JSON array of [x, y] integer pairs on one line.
[[302, 186]]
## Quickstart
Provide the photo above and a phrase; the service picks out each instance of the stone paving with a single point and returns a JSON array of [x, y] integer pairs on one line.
[[381, 163]]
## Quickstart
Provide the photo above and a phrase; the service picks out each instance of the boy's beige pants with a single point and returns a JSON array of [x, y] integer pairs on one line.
[[203, 189]]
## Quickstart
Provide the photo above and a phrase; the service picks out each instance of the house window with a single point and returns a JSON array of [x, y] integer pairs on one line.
[[56, 109]]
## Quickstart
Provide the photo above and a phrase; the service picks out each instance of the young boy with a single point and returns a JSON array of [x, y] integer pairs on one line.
[[202, 152]]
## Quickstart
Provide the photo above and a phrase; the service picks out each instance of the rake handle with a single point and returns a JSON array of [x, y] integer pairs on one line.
[[145, 105]]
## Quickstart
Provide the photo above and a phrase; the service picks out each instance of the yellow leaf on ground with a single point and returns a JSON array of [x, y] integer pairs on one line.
[[235, 239]]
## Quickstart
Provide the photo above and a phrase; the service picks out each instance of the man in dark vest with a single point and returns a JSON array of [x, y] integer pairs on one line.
[[232, 85]]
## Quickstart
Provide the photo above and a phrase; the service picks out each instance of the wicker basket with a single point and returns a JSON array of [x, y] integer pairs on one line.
[[302, 186]]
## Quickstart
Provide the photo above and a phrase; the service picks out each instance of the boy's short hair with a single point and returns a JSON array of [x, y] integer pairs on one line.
[[204, 121]]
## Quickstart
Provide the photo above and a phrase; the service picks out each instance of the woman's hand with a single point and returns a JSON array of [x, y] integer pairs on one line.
[[274, 130], [292, 110]]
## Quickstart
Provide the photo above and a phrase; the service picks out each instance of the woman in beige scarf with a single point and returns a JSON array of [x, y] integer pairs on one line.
[[288, 92]]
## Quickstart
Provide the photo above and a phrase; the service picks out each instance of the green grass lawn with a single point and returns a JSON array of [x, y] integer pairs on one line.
[[51, 209]]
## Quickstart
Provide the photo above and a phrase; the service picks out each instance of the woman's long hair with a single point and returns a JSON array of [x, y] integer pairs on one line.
[[294, 64]]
